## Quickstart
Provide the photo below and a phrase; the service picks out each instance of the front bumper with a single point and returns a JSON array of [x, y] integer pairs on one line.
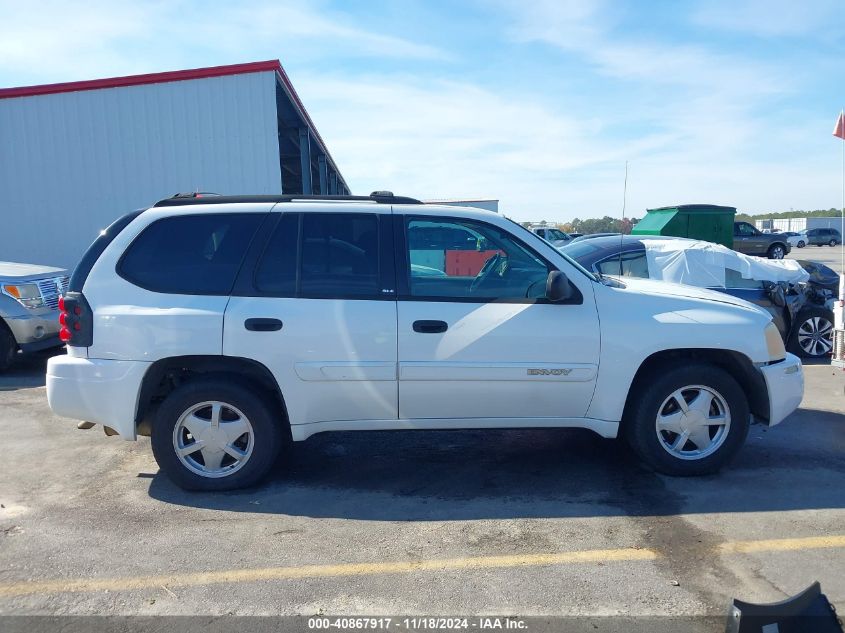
[[785, 383], [94, 390], [35, 332]]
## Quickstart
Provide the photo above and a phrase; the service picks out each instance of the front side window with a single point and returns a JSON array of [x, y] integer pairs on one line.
[[745, 229], [190, 254], [464, 259]]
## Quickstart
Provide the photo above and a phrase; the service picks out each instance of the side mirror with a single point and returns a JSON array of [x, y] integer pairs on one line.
[[558, 287]]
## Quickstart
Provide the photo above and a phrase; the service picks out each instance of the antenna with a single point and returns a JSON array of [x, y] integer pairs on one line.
[[622, 221]]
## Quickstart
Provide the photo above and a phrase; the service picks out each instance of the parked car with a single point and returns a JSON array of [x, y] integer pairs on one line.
[[228, 327], [575, 235], [555, 236], [29, 317], [748, 240], [817, 237], [801, 305]]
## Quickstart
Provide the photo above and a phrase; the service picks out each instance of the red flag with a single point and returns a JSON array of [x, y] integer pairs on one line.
[[839, 129]]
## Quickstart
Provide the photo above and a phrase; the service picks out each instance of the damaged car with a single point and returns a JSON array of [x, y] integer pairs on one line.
[[799, 295]]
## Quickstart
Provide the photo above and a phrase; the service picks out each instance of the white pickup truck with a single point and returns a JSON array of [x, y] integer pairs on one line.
[[29, 317], [226, 327]]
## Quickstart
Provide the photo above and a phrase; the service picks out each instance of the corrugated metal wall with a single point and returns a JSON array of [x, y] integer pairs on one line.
[[70, 163]]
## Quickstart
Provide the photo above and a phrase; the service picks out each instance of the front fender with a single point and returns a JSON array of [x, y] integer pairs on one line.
[[637, 326]]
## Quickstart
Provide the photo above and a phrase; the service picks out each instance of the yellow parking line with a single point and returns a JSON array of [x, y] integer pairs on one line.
[[785, 544], [77, 585], [322, 571]]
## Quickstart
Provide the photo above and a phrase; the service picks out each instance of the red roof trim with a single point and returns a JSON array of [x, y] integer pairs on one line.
[[140, 80]]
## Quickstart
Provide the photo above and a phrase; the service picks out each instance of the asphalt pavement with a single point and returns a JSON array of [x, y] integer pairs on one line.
[[515, 522]]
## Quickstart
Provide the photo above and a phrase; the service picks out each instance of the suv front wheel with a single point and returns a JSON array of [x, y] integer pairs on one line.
[[688, 420], [211, 434]]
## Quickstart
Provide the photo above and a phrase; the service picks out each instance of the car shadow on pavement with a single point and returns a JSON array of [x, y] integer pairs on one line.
[[28, 371], [493, 474]]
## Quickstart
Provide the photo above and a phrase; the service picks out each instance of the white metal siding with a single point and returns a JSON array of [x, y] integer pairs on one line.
[[71, 163], [799, 224]]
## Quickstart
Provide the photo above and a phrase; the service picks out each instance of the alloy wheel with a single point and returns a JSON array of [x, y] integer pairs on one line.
[[693, 422], [213, 439], [815, 336]]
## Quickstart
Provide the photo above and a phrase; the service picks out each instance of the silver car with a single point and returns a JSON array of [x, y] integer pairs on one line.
[[29, 316]]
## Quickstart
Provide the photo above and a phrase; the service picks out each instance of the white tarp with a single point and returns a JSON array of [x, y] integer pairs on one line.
[[703, 264]]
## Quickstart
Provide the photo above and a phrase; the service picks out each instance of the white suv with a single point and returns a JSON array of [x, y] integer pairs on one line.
[[228, 327]]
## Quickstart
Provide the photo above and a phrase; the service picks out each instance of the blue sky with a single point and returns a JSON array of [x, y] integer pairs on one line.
[[537, 103]]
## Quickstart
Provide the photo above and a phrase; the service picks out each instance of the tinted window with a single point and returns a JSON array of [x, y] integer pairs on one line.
[[734, 279], [83, 268], [339, 255], [632, 264], [276, 274], [497, 266], [190, 254]]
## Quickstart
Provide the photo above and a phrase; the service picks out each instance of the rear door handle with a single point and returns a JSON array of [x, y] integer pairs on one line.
[[263, 325], [430, 327]]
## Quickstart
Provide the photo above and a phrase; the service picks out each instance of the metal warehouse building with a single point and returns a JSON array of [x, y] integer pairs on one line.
[[75, 156]]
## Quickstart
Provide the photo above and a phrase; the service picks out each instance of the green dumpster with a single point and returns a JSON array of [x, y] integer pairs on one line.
[[707, 222]]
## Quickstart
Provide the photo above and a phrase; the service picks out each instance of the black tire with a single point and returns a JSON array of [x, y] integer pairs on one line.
[[267, 429], [801, 244], [640, 423], [776, 251], [832, 243], [807, 322], [8, 347]]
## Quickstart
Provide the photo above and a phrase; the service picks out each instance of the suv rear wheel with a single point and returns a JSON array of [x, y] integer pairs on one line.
[[688, 420], [212, 434], [832, 242]]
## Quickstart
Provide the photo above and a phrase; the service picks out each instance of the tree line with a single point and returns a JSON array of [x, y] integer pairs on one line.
[[608, 224], [816, 213]]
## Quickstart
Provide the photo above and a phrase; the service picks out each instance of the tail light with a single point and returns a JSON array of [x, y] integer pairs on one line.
[[76, 320]]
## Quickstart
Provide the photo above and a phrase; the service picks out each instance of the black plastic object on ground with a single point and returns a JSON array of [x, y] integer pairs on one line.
[[807, 612]]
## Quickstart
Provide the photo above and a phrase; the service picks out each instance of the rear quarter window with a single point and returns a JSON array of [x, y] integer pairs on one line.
[[190, 254]]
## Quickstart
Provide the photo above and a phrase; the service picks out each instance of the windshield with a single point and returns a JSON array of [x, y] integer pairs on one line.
[[565, 256]]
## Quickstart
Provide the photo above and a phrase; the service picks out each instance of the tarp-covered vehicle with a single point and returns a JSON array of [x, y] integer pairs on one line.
[[797, 294]]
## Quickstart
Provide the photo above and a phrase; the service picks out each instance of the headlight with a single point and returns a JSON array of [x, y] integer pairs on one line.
[[27, 295], [774, 342]]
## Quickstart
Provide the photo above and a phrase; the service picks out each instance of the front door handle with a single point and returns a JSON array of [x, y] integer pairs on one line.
[[263, 325], [430, 327]]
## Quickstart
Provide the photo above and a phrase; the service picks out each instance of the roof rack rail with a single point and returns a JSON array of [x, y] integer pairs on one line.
[[381, 197], [194, 194]]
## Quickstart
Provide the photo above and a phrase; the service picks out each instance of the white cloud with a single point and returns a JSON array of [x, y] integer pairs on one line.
[[59, 41], [693, 120], [770, 18]]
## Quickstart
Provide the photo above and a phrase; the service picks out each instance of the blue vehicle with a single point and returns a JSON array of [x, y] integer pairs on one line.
[[802, 312]]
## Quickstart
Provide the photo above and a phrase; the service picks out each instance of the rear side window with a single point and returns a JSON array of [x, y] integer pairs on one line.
[[190, 254], [322, 255]]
